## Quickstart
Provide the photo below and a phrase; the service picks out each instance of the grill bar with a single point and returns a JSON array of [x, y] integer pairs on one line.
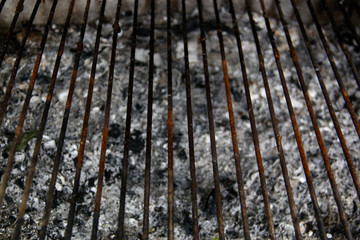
[[295, 128], [251, 115], [149, 125], [329, 104], [106, 124], [79, 163], [218, 200], [171, 218], [125, 161], [42, 126], [10, 84], [336, 71], [34, 159], [57, 162], [5, 178], [190, 125], [30, 89], [268, 94], [315, 124], [170, 125], [285, 174]]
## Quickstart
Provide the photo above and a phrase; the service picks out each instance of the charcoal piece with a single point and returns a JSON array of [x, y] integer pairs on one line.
[[137, 143]]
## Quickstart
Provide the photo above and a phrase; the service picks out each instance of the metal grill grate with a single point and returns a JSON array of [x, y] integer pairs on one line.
[[27, 154]]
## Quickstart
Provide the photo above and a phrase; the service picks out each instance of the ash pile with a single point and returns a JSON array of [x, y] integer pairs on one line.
[[183, 223]]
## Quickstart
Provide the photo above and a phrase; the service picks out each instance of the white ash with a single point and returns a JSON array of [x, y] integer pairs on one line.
[[158, 200]]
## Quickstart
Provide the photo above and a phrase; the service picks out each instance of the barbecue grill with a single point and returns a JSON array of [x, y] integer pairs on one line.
[[180, 125]]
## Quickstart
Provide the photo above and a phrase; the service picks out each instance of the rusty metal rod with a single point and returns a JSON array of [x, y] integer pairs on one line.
[[18, 10], [254, 131], [277, 59], [323, 87], [335, 69], [16, 141], [190, 126], [125, 161], [20, 52], [341, 42], [328, 102], [213, 139], [57, 160], [106, 124], [214, 157], [79, 163], [34, 159], [250, 110], [145, 234], [170, 127], [252, 118], [314, 122], [294, 124], [27, 100], [303, 158]]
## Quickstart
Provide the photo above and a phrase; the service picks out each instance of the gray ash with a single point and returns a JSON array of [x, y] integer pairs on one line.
[[158, 199]]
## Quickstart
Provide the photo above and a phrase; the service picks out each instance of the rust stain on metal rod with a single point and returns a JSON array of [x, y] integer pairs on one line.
[[335, 69], [57, 161], [255, 138], [273, 119], [6, 175], [125, 161], [329, 104], [42, 126], [34, 159], [170, 128], [315, 125], [251, 116], [17, 62], [74, 195], [30, 87], [106, 125], [283, 82], [190, 126], [306, 169]]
